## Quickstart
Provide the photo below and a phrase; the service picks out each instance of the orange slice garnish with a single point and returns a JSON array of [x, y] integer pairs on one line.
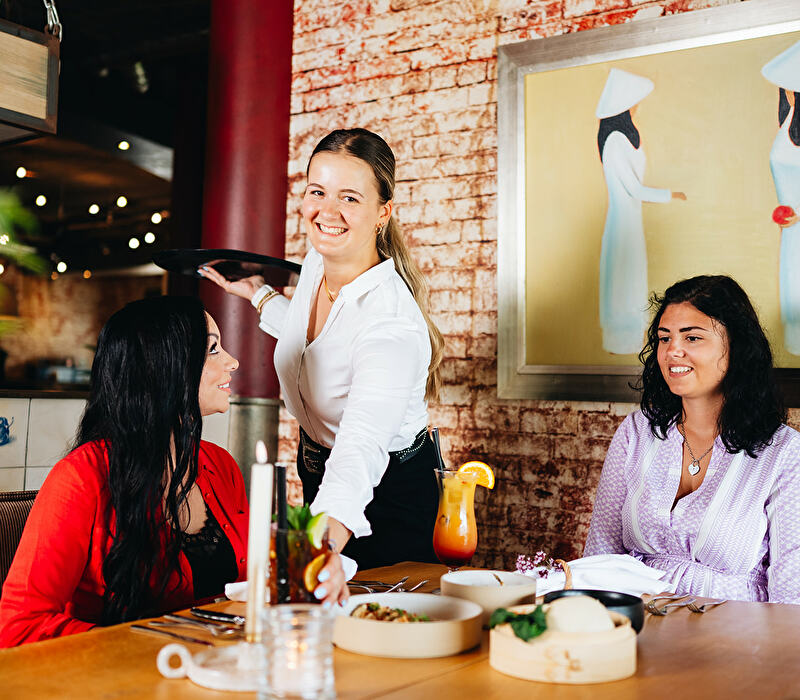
[[482, 470], [311, 572]]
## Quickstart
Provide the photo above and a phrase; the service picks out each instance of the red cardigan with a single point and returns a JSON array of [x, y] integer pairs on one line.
[[55, 584]]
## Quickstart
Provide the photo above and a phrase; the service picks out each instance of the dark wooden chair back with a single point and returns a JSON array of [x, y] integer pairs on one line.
[[14, 509]]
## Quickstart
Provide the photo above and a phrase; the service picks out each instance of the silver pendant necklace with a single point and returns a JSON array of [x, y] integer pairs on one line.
[[694, 465]]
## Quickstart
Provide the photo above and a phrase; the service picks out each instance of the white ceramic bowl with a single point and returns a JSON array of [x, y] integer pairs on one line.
[[481, 587], [455, 626]]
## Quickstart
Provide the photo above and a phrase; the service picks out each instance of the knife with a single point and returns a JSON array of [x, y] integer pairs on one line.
[[227, 618], [174, 635]]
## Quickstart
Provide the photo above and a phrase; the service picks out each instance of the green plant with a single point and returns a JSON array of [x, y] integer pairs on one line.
[[14, 218]]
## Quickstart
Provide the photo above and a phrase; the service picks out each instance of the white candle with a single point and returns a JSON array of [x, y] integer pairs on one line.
[[258, 542]]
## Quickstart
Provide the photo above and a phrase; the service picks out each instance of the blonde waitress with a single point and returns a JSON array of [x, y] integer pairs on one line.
[[357, 357]]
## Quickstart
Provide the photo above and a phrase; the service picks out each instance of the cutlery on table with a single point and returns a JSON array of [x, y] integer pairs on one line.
[[650, 604], [227, 618], [366, 589], [380, 584], [414, 587], [216, 629], [665, 610], [705, 606], [173, 635], [397, 586]]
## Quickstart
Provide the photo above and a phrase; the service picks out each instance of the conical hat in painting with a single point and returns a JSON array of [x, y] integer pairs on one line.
[[784, 69], [622, 91]]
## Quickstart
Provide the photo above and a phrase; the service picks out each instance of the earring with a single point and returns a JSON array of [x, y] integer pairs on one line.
[[379, 230]]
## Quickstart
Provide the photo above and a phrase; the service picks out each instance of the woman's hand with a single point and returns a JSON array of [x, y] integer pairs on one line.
[[791, 221], [245, 287], [332, 588]]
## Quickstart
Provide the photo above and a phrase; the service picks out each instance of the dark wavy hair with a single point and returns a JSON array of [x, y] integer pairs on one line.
[[143, 397], [752, 408]]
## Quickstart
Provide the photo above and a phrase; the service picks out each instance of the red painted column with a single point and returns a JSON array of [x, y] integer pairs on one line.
[[247, 152]]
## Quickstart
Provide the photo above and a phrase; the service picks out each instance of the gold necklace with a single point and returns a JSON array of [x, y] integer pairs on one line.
[[327, 290], [694, 465]]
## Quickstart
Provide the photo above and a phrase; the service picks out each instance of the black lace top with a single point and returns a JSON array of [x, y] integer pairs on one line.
[[211, 557]]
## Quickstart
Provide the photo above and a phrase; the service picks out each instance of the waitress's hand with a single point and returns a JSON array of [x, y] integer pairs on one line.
[[245, 287], [332, 588], [791, 221]]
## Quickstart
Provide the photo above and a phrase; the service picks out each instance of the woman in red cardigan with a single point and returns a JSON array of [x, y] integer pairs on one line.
[[142, 516]]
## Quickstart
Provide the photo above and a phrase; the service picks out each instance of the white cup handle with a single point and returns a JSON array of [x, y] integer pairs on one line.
[[166, 654]]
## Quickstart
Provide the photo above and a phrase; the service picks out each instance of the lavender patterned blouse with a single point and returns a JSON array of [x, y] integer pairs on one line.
[[735, 537]]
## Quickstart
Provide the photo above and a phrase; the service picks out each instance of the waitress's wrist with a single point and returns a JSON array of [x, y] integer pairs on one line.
[[264, 293]]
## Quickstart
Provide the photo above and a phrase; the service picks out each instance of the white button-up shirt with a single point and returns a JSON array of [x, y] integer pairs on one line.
[[359, 386]]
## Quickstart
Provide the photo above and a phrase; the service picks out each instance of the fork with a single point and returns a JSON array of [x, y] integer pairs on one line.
[[413, 588], [179, 621], [650, 604], [664, 611], [705, 606]]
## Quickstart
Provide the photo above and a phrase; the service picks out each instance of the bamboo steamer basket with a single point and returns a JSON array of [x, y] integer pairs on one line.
[[565, 657]]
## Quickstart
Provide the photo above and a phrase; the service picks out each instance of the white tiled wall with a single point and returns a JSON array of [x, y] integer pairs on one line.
[[43, 430]]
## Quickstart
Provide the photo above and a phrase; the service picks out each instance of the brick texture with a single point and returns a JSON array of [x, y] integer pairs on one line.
[[422, 73]]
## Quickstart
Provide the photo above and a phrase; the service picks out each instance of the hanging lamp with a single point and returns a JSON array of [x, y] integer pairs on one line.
[[29, 67]]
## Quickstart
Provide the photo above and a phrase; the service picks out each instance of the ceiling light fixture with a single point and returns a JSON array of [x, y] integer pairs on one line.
[[122, 201], [149, 237], [87, 274], [53, 275], [61, 267], [21, 172], [156, 217], [133, 243], [2, 268], [94, 208], [41, 200], [123, 145]]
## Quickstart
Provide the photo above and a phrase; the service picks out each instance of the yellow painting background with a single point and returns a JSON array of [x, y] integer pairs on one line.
[[707, 130]]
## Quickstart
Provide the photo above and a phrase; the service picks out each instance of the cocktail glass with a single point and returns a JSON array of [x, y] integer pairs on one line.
[[297, 577], [455, 534]]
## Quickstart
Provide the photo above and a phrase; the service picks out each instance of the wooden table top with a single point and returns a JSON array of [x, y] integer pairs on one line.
[[736, 650]]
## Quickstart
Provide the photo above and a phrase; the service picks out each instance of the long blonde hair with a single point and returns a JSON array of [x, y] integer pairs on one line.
[[375, 152]]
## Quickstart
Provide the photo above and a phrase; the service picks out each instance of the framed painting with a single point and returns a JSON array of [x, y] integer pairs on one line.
[[633, 156]]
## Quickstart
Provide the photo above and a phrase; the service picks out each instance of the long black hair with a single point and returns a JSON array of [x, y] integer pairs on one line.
[[752, 408], [783, 112], [621, 122], [144, 398]]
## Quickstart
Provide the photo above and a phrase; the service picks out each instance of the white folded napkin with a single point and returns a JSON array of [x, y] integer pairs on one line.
[[238, 590], [606, 572]]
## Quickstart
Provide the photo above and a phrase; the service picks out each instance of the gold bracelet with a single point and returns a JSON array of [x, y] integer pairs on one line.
[[267, 297]]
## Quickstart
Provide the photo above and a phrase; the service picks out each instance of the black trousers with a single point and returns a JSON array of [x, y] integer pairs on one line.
[[403, 509]]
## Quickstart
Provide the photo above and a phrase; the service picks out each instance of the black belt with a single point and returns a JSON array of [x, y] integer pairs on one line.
[[315, 455]]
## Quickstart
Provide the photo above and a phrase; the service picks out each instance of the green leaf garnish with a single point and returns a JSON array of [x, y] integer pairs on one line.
[[525, 626], [298, 516]]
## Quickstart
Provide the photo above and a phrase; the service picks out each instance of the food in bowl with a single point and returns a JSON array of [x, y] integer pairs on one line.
[[578, 614], [375, 611], [489, 589]]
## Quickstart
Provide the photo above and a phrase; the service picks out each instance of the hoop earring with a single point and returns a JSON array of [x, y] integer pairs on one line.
[[379, 230]]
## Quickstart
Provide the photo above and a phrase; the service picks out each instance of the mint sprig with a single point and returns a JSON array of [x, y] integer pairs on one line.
[[298, 516], [525, 626]]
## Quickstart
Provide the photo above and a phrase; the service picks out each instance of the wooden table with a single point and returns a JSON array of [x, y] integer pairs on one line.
[[737, 650]]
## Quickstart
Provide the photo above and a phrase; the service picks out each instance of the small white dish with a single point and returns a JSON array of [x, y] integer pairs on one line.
[[455, 626], [237, 667], [483, 587]]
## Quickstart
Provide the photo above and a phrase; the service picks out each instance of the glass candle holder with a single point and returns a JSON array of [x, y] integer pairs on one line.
[[298, 640]]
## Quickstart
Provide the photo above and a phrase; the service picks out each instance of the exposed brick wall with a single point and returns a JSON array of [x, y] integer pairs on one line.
[[423, 74]]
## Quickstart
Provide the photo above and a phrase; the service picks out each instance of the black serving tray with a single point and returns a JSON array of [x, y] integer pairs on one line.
[[233, 265]]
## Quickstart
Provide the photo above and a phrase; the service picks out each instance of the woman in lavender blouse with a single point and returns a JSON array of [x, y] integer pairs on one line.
[[704, 481]]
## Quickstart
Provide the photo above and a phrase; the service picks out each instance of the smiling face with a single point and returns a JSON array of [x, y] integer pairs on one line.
[[215, 390], [341, 208], [692, 352]]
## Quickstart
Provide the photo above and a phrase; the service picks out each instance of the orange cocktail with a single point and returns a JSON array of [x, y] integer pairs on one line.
[[455, 535]]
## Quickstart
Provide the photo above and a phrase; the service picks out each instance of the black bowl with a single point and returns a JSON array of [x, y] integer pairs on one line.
[[629, 605]]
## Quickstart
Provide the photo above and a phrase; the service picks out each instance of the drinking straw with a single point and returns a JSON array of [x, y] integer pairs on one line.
[[438, 446], [281, 536]]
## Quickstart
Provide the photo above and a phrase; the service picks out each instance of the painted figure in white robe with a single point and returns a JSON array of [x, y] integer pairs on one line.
[[784, 161], [623, 258]]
